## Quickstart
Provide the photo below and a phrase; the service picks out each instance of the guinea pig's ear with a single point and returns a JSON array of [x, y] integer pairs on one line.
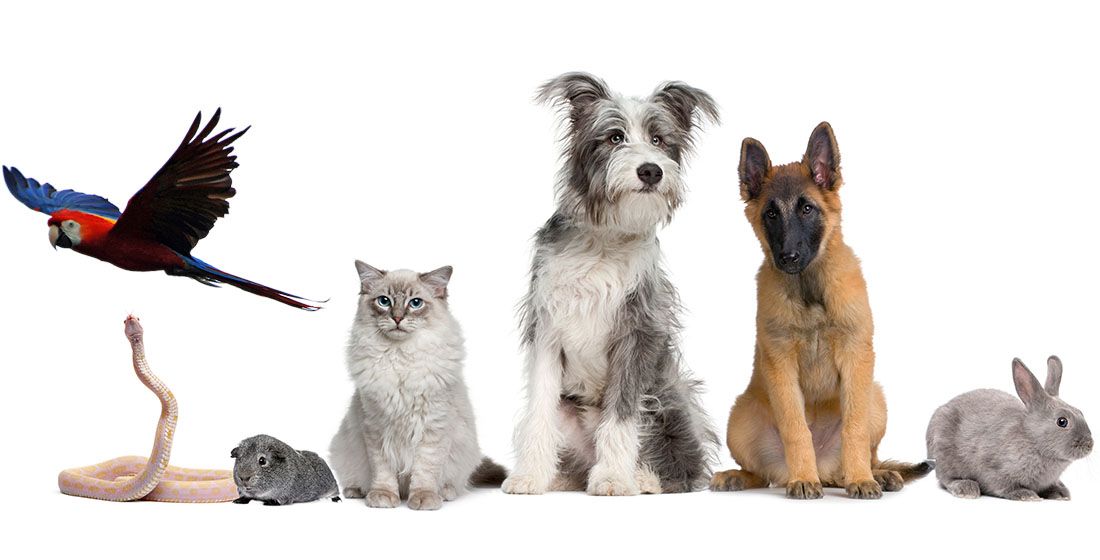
[[278, 457], [1027, 386], [235, 453], [1054, 376]]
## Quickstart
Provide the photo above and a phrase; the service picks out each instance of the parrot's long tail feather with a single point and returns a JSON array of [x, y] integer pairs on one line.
[[207, 274]]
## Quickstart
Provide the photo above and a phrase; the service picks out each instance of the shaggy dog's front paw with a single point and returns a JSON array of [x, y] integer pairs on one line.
[[382, 499], [425, 500], [525, 484], [610, 485], [804, 490], [864, 490]]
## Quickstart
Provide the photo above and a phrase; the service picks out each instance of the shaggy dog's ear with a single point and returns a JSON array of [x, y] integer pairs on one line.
[[576, 91], [691, 106]]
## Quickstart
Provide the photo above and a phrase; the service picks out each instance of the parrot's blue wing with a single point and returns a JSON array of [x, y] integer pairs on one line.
[[46, 199]]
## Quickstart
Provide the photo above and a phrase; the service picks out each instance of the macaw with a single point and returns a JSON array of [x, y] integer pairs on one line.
[[162, 222]]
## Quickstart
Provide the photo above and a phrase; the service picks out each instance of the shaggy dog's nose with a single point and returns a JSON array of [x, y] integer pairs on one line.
[[650, 173]]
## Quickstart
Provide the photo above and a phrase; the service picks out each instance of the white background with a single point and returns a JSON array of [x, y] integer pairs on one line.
[[407, 137]]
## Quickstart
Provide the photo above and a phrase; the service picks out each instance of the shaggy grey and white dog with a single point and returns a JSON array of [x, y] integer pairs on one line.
[[609, 405]]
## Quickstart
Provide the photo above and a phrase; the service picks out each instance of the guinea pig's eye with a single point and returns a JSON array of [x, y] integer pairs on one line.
[[262, 461], [1063, 422], [383, 301], [416, 303], [616, 138]]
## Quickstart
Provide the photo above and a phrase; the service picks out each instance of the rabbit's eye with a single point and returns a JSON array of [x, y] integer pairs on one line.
[[263, 461], [1063, 422]]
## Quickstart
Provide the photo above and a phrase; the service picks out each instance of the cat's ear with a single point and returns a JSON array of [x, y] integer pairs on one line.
[[437, 280], [368, 275]]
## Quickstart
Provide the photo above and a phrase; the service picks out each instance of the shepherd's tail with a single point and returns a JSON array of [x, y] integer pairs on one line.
[[908, 471], [211, 276], [488, 474]]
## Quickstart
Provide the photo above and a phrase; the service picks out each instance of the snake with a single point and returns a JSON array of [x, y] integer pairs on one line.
[[130, 478]]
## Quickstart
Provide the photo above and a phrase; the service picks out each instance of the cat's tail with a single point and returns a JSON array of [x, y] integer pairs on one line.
[[488, 474]]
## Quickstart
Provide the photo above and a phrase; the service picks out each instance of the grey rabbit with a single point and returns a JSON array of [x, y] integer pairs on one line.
[[987, 442], [271, 471]]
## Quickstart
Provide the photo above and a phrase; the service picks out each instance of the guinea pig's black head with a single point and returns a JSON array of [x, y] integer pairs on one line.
[[261, 462]]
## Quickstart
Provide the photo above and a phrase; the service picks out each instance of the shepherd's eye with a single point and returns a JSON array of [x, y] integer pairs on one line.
[[416, 303], [771, 214], [383, 301], [616, 138], [1063, 422], [807, 209], [656, 140], [263, 461]]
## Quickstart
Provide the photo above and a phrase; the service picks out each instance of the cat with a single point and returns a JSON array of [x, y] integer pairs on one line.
[[409, 431]]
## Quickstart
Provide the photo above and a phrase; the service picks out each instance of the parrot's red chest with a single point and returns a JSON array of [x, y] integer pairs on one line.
[[131, 254]]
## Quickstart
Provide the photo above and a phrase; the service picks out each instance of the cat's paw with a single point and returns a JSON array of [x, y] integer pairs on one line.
[[607, 484], [449, 493], [425, 500], [1023, 495], [525, 484], [964, 488], [353, 492], [382, 499]]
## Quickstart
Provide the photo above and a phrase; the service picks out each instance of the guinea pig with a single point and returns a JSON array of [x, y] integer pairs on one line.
[[271, 471]]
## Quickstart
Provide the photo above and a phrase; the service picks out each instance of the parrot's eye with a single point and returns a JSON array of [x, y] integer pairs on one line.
[[263, 461], [416, 303], [383, 301]]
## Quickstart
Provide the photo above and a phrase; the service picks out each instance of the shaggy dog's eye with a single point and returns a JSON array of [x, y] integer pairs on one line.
[[416, 303], [771, 214], [263, 461], [1063, 422], [383, 301], [807, 209], [656, 140], [616, 138]]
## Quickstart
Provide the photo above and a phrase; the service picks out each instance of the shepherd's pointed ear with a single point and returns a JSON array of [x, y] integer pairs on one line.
[[575, 90], [753, 169], [1027, 386], [690, 106], [823, 157], [368, 275], [1054, 376], [437, 280]]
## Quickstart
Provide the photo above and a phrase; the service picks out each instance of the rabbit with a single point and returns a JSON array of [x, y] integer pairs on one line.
[[276, 474], [986, 442]]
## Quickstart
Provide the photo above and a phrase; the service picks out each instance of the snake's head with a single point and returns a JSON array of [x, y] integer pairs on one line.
[[133, 328]]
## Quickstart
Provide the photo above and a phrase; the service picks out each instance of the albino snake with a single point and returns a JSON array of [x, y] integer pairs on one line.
[[135, 478]]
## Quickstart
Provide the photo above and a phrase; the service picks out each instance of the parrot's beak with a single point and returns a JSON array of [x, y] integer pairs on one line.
[[59, 239]]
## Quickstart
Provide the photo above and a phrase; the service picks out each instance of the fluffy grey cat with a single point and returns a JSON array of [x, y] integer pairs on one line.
[[985, 442], [409, 431]]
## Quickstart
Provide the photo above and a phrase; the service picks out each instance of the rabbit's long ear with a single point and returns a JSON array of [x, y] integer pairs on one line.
[[1027, 386], [1054, 375]]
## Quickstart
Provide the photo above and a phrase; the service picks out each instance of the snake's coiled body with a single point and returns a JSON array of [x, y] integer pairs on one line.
[[135, 478]]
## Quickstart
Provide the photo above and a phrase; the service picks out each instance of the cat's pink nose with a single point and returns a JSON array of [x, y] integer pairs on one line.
[[397, 319]]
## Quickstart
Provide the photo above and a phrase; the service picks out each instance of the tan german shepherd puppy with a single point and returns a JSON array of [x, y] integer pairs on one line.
[[812, 414]]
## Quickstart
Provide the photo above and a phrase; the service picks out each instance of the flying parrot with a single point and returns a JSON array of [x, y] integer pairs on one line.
[[162, 222]]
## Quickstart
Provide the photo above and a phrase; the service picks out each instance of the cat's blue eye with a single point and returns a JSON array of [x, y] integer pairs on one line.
[[416, 303], [383, 301]]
